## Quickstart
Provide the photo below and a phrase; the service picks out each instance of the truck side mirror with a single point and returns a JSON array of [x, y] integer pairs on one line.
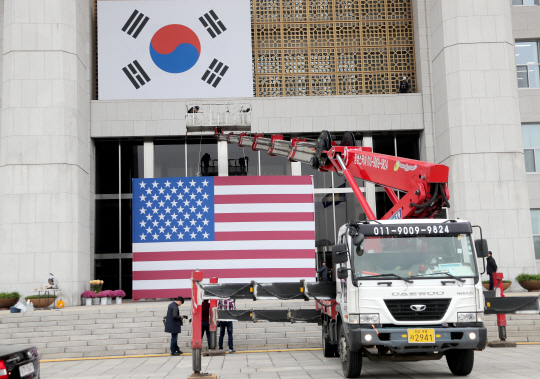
[[339, 253], [358, 239], [481, 248], [342, 273]]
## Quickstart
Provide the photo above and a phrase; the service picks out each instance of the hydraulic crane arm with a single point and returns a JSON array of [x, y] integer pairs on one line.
[[425, 184]]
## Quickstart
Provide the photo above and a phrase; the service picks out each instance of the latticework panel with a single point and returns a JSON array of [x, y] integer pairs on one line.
[[332, 47]]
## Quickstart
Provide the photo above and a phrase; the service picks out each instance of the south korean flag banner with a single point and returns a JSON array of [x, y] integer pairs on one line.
[[174, 49]]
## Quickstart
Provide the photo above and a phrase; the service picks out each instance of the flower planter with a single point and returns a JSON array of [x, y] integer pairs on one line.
[[44, 302], [88, 301], [505, 286], [95, 301], [7, 303], [109, 300], [118, 300], [531, 285], [103, 301]]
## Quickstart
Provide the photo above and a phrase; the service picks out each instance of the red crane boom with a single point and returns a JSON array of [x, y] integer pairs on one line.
[[425, 184]]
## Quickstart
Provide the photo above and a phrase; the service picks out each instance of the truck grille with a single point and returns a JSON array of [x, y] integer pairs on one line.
[[402, 311]]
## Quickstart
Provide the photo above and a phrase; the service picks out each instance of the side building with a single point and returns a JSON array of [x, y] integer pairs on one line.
[[67, 158]]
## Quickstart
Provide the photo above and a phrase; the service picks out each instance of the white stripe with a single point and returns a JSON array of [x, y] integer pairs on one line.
[[265, 208], [281, 189], [223, 264], [186, 283], [222, 245], [265, 226]]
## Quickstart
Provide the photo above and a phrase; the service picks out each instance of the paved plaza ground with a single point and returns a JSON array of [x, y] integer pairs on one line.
[[509, 363]]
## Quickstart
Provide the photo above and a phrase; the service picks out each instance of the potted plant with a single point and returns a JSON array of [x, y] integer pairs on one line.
[[506, 284], [119, 294], [96, 285], [41, 301], [9, 299], [530, 282], [103, 295], [88, 296], [110, 295]]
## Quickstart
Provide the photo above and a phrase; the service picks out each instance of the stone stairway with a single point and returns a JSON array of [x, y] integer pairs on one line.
[[137, 328], [520, 328]]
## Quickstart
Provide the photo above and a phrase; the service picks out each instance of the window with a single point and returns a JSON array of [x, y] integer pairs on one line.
[[169, 158], [117, 162], [531, 146], [404, 145], [528, 68], [202, 156], [524, 2], [535, 221]]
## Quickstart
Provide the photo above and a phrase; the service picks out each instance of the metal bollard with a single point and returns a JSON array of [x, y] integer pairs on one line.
[[196, 361]]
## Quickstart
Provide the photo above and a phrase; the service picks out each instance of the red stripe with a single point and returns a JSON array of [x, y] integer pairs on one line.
[[161, 294], [222, 254], [261, 199], [257, 217], [264, 236], [261, 180], [228, 273]]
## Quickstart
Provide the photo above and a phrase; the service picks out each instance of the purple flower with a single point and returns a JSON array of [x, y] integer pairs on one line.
[[88, 294], [119, 293]]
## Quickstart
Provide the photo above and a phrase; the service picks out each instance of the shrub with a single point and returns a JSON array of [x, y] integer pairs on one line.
[[504, 281], [527, 277], [40, 297], [88, 294], [9, 295], [118, 293]]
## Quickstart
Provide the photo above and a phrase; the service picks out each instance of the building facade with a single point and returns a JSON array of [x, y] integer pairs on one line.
[[67, 158]]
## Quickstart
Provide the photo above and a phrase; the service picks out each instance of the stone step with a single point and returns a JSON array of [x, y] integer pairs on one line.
[[135, 329]]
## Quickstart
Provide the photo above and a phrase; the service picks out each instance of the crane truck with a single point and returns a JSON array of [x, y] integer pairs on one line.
[[408, 286]]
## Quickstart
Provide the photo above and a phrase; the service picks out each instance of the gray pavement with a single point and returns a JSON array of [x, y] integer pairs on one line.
[[520, 362]]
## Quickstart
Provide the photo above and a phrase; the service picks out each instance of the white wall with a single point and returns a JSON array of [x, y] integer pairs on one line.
[[44, 145]]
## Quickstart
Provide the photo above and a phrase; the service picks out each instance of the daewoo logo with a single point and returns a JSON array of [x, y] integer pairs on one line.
[[428, 293], [418, 308]]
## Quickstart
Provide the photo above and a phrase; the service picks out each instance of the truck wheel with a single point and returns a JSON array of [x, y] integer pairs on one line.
[[460, 362], [351, 361], [329, 350]]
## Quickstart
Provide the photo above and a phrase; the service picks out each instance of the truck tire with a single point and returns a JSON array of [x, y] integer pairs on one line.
[[460, 362], [351, 361], [329, 350]]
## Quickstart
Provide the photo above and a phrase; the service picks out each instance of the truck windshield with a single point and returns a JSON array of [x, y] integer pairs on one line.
[[415, 256]]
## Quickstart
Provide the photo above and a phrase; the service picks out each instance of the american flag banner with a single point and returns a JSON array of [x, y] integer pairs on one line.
[[237, 229]]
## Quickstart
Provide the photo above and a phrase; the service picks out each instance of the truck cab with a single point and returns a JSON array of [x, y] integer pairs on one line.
[[406, 290]]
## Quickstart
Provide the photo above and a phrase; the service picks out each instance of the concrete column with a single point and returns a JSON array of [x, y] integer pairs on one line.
[[477, 125], [148, 158], [45, 146]]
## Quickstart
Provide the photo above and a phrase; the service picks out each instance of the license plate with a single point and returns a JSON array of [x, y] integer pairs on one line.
[[421, 335], [26, 369]]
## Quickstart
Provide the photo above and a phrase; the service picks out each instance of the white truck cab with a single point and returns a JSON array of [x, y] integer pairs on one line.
[[406, 290]]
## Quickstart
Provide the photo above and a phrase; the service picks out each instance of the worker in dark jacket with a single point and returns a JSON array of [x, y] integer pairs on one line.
[[491, 268], [173, 324], [404, 85], [323, 271], [205, 321]]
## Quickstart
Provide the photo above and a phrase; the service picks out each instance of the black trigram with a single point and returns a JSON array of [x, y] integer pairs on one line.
[[209, 21], [215, 71], [138, 24], [134, 71]]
